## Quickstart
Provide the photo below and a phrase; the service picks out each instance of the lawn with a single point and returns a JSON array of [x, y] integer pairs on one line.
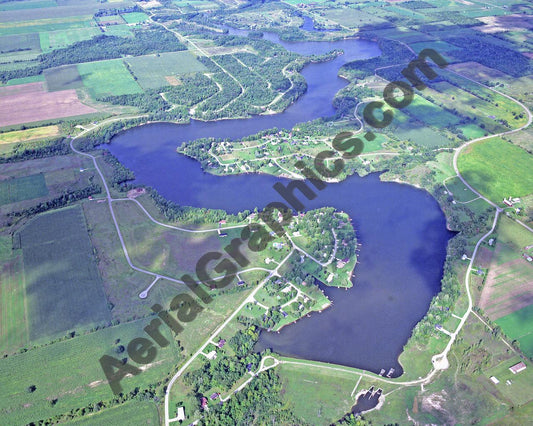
[[22, 188], [70, 372], [63, 78], [497, 169], [63, 285], [132, 412], [151, 70], [107, 78], [519, 326]]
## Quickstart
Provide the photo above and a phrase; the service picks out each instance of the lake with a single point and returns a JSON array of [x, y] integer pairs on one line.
[[402, 229]]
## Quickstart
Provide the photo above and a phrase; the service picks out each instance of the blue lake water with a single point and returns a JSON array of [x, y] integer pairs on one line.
[[402, 229]]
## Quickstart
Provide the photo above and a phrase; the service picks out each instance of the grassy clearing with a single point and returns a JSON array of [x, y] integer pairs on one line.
[[63, 78], [134, 17], [107, 78], [22, 188], [50, 40], [459, 191], [497, 169], [519, 326], [319, 397], [63, 286], [151, 70], [71, 372], [28, 134], [132, 412]]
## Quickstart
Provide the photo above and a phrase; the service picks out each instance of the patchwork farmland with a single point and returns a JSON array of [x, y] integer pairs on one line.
[[63, 286], [29, 103]]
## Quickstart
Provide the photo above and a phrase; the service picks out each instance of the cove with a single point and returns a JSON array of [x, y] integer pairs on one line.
[[402, 229]]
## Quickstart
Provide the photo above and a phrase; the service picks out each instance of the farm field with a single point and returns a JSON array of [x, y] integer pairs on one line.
[[151, 70], [13, 317], [63, 285], [108, 78], [22, 188], [45, 24], [63, 78], [130, 413], [497, 169], [12, 43], [50, 40], [134, 17], [352, 18], [29, 103], [519, 326], [28, 134], [507, 296], [73, 374]]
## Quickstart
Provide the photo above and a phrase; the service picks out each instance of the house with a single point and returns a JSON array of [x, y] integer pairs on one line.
[[212, 355], [517, 368], [340, 264], [222, 222], [508, 203], [221, 343], [241, 282], [180, 414], [203, 402], [491, 241], [214, 396], [494, 380], [277, 245]]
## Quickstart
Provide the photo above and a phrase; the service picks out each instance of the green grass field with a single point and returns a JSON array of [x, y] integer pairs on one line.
[[151, 70], [50, 40], [519, 326], [130, 413], [63, 285], [134, 17], [106, 78], [22, 188], [63, 78], [71, 372], [497, 169]]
